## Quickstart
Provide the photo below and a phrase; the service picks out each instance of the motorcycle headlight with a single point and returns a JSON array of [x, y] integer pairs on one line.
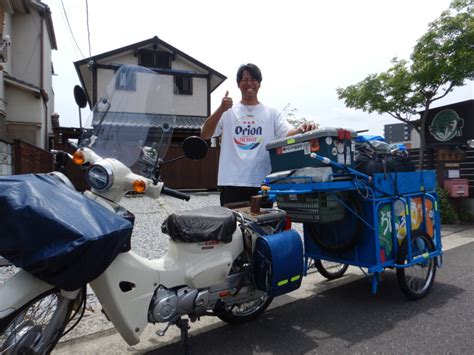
[[99, 177]]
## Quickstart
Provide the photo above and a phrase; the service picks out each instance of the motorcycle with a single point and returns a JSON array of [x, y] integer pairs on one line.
[[220, 262]]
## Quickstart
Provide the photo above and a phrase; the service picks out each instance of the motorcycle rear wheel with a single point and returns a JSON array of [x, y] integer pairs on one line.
[[246, 312], [37, 326]]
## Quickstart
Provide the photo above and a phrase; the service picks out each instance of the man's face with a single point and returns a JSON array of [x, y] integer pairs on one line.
[[248, 86]]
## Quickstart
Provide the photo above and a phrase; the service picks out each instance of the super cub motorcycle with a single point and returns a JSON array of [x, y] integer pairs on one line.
[[220, 262]]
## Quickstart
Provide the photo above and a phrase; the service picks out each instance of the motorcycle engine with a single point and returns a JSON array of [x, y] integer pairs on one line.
[[168, 305], [164, 305]]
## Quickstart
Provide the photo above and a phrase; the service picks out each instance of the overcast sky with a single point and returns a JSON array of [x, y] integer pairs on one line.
[[305, 49]]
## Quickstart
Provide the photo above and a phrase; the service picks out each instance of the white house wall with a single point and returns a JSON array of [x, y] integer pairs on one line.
[[25, 64], [187, 105], [172, 103], [25, 113], [48, 78], [7, 67], [182, 64], [26, 48], [195, 104]]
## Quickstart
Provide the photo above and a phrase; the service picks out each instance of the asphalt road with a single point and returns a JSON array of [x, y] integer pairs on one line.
[[350, 320]]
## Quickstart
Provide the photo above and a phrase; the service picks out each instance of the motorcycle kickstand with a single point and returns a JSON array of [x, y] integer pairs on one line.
[[183, 325]]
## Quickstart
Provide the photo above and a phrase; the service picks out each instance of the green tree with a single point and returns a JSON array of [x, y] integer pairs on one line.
[[442, 59]]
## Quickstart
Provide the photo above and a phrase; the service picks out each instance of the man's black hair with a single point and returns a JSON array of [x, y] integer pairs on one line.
[[252, 69]]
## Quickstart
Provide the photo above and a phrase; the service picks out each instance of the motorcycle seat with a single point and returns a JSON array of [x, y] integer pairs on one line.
[[213, 223]]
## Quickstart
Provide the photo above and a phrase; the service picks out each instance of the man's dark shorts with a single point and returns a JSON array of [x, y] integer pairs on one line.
[[231, 194]]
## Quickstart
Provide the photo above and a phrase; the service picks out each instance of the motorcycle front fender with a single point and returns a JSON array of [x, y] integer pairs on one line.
[[18, 290]]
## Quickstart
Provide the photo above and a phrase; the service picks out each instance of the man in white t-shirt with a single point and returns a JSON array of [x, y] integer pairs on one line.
[[245, 129]]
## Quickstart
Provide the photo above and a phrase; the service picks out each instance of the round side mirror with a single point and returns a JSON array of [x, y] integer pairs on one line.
[[80, 96], [194, 148]]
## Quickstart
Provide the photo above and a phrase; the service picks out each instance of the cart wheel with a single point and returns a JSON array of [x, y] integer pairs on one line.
[[416, 281], [330, 269], [342, 235]]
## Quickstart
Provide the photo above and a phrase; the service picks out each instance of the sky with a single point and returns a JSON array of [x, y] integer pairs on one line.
[[305, 49]]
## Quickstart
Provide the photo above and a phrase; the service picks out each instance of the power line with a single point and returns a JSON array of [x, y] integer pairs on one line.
[[70, 30], [88, 30]]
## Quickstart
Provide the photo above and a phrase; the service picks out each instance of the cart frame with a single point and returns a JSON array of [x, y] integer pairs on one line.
[[376, 192]]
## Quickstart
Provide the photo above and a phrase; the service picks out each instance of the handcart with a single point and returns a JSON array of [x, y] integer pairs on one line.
[[378, 222]]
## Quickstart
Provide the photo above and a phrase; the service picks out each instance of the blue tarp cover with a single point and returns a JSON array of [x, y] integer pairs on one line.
[[368, 137], [55, 232]]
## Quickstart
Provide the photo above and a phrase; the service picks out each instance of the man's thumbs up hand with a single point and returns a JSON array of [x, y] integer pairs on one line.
[[226, 102]]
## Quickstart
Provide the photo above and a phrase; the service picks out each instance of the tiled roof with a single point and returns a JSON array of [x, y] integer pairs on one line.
[[157, 120], [189, 122]]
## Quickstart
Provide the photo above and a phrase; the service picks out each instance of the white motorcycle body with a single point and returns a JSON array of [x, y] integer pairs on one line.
[[192, 279], [185, 264], [126, 288]]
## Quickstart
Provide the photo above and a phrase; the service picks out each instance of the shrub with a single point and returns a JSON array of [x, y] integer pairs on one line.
[[447, 211]]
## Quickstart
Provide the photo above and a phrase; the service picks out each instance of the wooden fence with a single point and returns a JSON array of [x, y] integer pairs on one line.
[[28, 158], [432, 160]]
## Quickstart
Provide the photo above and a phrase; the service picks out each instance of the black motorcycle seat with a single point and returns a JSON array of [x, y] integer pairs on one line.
[[201, 225]]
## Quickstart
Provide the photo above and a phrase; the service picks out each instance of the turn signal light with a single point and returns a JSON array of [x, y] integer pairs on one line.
[[265, 188], [78, 157], [139, 186]]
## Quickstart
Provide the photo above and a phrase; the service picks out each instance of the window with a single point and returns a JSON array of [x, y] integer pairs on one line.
[[163, 60], [126, 81], [183, 85], [154, 59]]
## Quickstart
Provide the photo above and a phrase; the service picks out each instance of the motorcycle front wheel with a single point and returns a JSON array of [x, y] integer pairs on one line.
[[245, 312], [37, 326]]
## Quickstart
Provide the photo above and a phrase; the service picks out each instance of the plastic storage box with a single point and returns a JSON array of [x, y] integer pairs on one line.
[[294, 152], [316, 207]]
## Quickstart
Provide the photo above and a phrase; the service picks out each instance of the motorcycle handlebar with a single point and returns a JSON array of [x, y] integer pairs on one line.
[[174, 193]]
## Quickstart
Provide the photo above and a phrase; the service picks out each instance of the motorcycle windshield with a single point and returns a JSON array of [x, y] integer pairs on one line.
[[134, 119]]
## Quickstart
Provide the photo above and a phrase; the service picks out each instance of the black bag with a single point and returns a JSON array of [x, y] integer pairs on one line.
[[380, 157], [56, 233]]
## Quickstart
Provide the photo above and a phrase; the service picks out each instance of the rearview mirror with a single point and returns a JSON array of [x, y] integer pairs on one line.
[[194, 148], [80, 96]]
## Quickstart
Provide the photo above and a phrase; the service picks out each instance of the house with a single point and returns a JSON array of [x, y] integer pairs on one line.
[[26, 93], [398, 133], [190, 85], [193, 81]]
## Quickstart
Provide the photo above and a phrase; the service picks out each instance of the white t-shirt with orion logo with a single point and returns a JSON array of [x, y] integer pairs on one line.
[[245, 131]]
